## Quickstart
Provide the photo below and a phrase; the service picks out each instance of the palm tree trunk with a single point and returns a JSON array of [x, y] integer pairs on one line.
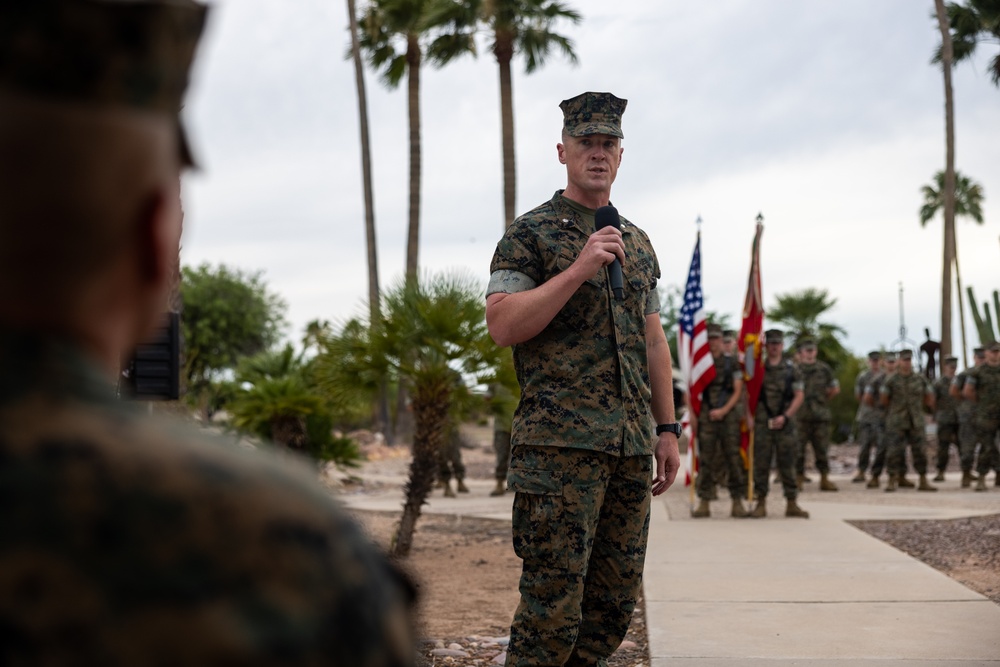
[[374, 305], [504, 52], [961, 311], [413, 236], [430, 409], [947, 57]]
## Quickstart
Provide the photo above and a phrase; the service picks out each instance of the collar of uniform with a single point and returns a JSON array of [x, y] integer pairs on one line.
[[35, 362], [570, 215]]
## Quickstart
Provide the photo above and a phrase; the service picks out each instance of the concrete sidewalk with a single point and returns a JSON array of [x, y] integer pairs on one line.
[[779, 591]]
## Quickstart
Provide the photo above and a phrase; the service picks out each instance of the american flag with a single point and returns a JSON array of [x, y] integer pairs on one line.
[[695, 359]]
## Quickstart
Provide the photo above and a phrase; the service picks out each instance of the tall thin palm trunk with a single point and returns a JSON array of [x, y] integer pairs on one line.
[[947, 57], [413, 58], [374, 305], [961, 311], [504, 52]]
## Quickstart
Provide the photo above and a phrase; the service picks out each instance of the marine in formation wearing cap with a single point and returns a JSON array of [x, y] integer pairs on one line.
[[946, 416], [868, 430], [965, 410], [982, 388], [878, 413], [781, 396], [814, 418], [905, 394], [128, 542], [594, 373]]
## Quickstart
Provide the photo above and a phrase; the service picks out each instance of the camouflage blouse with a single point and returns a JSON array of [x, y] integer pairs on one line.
[[906, 401], [584, 379]]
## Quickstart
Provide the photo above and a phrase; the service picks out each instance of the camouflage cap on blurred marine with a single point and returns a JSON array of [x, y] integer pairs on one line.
[[111, 53], [593, 113]]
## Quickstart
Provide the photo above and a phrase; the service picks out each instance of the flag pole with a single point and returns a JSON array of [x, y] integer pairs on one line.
[[693, 443]]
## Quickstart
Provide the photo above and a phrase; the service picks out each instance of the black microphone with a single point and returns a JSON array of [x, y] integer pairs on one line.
[[604, 217]]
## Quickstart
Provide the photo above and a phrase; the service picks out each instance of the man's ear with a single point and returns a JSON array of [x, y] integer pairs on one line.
[[157, 236], [561, 152]]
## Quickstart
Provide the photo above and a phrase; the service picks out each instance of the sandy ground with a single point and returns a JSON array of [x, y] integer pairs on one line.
[[467, 572]]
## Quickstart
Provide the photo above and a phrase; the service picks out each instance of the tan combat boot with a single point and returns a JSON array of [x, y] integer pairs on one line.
[[966, 479], [860, 477], [904, 483], [738, 512], [939, 477], [799, 481], [981, 483], [448, 492], [499, 489], [462, 488], [925, 485], [872, 483], [890, 486], [792, 509], [701, 511], [760, 510], [825, 484]]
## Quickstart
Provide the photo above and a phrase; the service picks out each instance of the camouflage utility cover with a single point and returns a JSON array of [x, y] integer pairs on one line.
[[584, 379], [593, 113], [946, 406], [906, 401], [817, 379], [126, 542]]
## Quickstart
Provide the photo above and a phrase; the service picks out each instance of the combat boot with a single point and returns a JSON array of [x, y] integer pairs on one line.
[[738, 512], [500, 489], [872, 483], [939, 477], [825, 484], [904, 483], [448, 492], [925, 485], [981, 483], [860, 477], [792, 509], [890, 486], [966, 479], [799, 480], [806, 478], [701, 511], [760, 510], [461, 488]]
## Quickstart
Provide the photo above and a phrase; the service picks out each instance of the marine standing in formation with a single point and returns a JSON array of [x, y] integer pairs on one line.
[[904, 394], [982, 388], [873, 400], [820, 385], [946, 415], [127, 541], [965, 410], [781, 395], [719, 430], [595, 376], [869, 429]]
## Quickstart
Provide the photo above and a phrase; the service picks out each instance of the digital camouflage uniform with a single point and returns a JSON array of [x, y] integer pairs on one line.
[[582, 441], [877, 417], [986, 416], [719, 441], [776, 393], [904, 421], [813, 418], [966, 431], [129, 542], [946, 416], [869, 427]]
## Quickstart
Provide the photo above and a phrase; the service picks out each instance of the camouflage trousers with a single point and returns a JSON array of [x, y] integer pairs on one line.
[[966, 441], [947, 435], [896, 441], [987, 430], [501, 447], [817, 433], [781, 444], [450, 459], [580, 522], [719, 456], [869, 433]]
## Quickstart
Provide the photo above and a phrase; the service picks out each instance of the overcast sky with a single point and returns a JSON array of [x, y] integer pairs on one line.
[[825, 116]]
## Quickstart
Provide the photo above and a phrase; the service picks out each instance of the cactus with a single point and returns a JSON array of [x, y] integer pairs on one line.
[[984, 322]]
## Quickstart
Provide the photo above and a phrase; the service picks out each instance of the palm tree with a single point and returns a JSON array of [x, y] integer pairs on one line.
[[946, 54], [395, 35], [971, 24], [432, 334], [800, 312], [968, 202], [382, 422]]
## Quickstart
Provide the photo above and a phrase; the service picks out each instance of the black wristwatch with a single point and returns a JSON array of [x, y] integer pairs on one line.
[[674, 428]]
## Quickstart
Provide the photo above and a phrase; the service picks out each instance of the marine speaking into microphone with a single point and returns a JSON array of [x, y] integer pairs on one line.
[[603, 217]]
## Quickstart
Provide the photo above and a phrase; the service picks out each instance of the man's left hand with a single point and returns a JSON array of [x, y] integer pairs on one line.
[[668, 462]]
